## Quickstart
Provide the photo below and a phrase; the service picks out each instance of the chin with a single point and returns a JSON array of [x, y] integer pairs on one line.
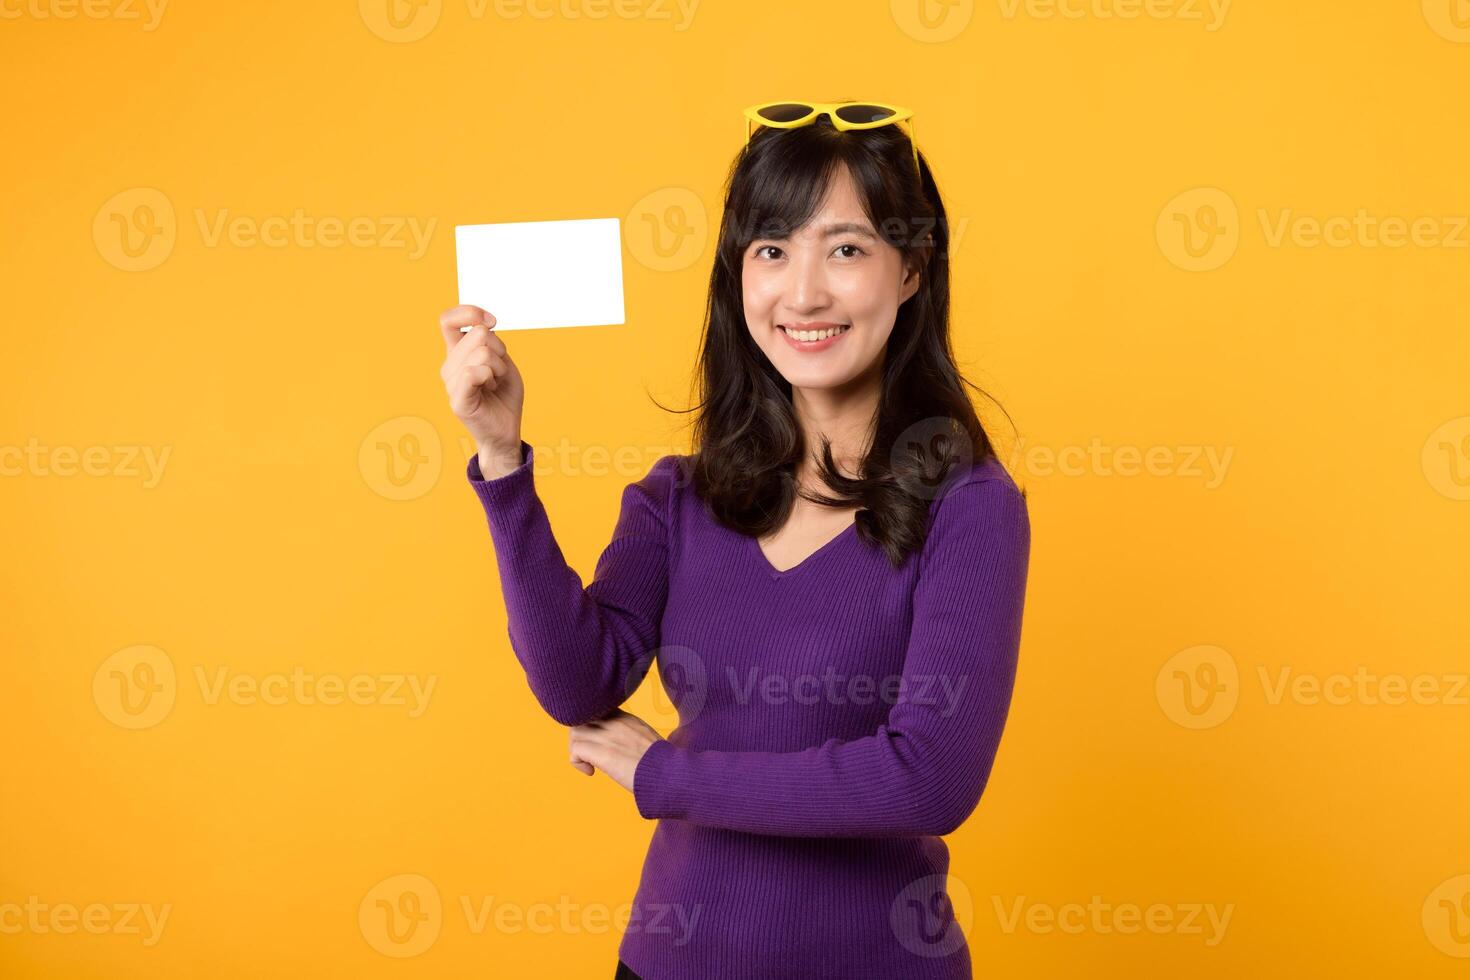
[[804, 376]]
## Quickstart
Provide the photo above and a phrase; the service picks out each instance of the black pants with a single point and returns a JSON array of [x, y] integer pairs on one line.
[[624, 973]]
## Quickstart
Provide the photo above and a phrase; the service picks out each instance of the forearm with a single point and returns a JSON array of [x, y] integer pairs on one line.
[[577, 656], [580, 647], [894, 783]]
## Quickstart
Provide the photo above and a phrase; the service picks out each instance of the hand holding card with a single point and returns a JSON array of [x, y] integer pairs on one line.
[[485, 388]]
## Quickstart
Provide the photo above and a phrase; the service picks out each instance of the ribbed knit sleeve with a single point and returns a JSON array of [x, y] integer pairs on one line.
[[923, 771], [579, 646]]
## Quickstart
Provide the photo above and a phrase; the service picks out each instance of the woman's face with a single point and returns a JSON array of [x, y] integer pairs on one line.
[[833, 272]]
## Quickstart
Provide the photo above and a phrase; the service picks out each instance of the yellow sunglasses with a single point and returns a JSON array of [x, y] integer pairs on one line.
[[844, 115]]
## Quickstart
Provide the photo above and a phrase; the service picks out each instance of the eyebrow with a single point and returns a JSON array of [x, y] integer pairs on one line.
[[834, 229], [846, 228]]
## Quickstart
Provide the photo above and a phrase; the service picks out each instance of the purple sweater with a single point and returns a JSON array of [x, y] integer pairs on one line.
[[835, 719]]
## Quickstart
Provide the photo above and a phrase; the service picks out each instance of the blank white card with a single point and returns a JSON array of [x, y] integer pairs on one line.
[[543, 273]]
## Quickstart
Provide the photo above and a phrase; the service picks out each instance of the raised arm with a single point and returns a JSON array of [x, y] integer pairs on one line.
[[579, 647], [923, 771]]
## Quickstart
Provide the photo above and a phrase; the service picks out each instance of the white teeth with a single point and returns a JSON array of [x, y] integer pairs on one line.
[[810, 335]]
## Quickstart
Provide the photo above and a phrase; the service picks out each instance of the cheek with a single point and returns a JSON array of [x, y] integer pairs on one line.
[[759, 298], [867, 301], [758, 290]]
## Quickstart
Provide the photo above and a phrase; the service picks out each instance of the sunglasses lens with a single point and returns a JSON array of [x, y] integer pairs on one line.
[[785, 112], [863, 113]]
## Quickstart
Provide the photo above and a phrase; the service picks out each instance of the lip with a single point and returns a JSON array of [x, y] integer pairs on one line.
[[809, 347]]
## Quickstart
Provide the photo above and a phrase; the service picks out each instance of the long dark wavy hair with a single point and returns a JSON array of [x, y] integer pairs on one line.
[[747, 442]]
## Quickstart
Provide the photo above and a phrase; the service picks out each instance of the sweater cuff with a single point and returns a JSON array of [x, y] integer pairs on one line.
[[494, 491], [655, 781]]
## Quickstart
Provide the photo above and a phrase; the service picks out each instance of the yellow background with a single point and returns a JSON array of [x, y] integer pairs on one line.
[[1074, 153]]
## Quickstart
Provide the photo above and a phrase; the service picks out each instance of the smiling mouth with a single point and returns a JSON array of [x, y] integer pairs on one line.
[[811, 336]]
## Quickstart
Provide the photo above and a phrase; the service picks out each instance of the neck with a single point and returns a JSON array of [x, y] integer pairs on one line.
[[844, 415]]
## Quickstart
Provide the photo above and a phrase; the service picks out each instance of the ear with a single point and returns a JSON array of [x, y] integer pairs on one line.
[[910, 283]]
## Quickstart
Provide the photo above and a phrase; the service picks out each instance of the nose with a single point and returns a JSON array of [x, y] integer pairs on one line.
[[806, 287]]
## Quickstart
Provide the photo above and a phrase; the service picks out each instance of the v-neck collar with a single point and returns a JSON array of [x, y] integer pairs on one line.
[[777, 573]]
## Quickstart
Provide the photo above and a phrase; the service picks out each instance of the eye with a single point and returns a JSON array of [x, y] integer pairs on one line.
[[853, 247], [762, 248]]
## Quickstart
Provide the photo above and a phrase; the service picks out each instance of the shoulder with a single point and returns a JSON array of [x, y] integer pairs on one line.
[[664, 472], [659, 488], [985, 480], [984, 499], [668, 474]]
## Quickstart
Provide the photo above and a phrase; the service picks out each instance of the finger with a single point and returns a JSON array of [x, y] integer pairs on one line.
[[464, 390], [453, 321], [589, 740], [480, 376], [484, 355], [488, 320], [493, 341], [478, 346], [463, 348], [582, 750], [574, 756], [583, 767], [459, 354]]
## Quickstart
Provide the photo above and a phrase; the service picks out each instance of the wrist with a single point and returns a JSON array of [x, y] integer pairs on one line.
[[497, 461]]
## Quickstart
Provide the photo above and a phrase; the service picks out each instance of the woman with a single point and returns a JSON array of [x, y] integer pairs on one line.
[[832, 584]]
